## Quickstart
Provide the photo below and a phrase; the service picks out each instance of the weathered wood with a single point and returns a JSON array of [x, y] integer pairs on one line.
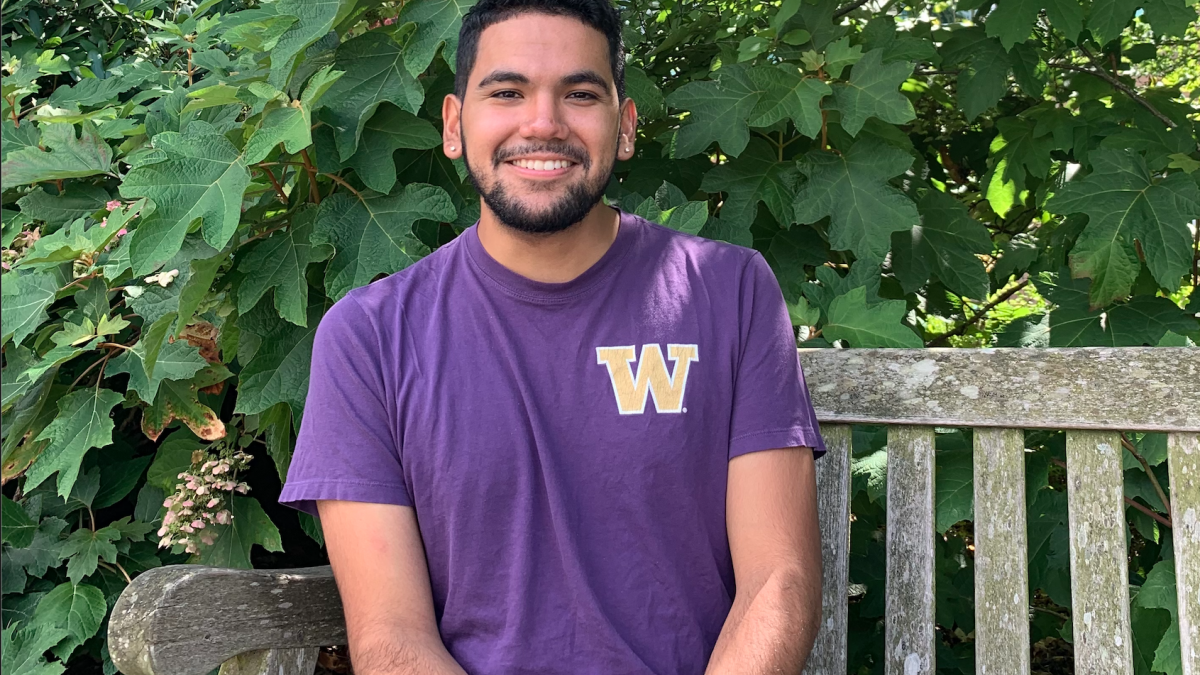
[[302, 661], [833, 506], [1099, 572], [1001, 568], [1184, 464], [189, 619], [1078, 388], [909, 639]]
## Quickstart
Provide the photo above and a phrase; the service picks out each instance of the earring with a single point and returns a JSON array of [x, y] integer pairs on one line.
[[452, 148]]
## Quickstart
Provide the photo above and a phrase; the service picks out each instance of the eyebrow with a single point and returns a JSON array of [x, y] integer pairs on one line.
[[577, 77]]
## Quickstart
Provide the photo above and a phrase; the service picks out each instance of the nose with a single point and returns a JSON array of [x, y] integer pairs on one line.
[[544, 119]]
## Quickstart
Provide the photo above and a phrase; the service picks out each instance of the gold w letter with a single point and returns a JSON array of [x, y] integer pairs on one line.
[[652, 376]]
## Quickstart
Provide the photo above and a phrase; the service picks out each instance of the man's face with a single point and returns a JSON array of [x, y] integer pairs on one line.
[[539, 125]]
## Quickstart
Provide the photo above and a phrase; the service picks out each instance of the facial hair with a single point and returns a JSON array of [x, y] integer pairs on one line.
[[578, 200]]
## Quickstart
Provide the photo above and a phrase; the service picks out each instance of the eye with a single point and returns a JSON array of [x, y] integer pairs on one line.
[[505, 93], [585, 95]]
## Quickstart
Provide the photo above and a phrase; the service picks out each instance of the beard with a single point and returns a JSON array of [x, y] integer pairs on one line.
[[570, 208]]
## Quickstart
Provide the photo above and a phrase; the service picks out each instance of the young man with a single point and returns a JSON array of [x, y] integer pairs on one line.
[[570, 441]]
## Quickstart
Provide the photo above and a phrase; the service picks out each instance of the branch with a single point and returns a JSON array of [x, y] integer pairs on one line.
[[274, 183], [312, 176], [1098, 71], [843, 11], [341, 181], [942, 339], [1146, 466]]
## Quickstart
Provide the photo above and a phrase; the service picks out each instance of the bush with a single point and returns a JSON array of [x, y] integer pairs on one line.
[[188, 187]]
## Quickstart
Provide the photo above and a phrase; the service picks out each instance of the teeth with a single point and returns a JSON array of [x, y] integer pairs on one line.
[[542, 165]]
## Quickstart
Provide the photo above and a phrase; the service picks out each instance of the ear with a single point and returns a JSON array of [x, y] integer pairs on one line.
[[627, 133], [451, 118]]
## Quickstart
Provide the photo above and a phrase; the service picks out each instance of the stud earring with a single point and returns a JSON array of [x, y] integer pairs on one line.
[[452, 148]]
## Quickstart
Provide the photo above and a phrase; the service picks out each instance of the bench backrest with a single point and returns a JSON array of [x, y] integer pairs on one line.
[[1093, 394], [187, 619]]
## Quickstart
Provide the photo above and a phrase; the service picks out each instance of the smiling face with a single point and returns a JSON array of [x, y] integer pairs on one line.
[[539, 124]]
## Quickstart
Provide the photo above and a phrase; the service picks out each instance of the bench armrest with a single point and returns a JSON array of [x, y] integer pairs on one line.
[[189, 619]]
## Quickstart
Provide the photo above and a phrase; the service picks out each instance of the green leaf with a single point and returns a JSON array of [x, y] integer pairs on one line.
[[954, 490], [389, 130], [77, 201], [757, 175], [261, 35], [287, 125], [953, 238], [852, 190], [438, 23], [319, 84], [645, 93], [83, 423], [174, 456], [985, 77], [1019, 150], [374, 74], [1158, 591], [78, 608], [850, 319], [13, 138], [202, 178], [18, 528], [25, 299], [315, 19], [1012, 20], [1144, 320], [1109, 17], [250, 526], [1168, 658], [65, 156], [176, 360], [1149, 626], [68, 243], [840, 54], [1169, 17], [278, 371], [24, 649], [179, 399], [154, 301], [718, 110], [873, 91], [869, 473], [84, 548], [117, 480], [1124, 203], [281, 262], [45, 551], [786, 94], [374, 236]]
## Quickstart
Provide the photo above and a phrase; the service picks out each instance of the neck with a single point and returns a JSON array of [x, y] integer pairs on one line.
[[550, 258]]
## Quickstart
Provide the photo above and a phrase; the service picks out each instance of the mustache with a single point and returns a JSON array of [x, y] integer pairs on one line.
[[569, 151]]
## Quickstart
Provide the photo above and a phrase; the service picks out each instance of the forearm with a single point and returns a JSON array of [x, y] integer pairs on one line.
[[385, 655], [770, 630]]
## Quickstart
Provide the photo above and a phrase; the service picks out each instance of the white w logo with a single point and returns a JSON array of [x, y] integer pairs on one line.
[[652, 376]]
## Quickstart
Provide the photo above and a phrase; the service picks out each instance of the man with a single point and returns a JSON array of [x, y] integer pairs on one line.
[[570, 441]]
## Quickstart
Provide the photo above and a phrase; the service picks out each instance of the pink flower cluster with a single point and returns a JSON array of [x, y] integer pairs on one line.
[[200, 500]]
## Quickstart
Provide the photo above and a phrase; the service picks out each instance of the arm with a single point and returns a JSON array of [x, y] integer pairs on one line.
[[771, 517], [379, 564]]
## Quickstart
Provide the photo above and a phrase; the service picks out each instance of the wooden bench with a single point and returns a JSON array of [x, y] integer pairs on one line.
[[188, 619]]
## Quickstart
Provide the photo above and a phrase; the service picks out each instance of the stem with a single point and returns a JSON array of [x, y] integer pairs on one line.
[[114, 344], [190, 72], [265, 233], [1196, 257], [1146, 466], [274, 183], [341, 181], [843, 11], [1098, 71], [82, 375], [91, 518], [942, 339], [103, 363], [312, 176]]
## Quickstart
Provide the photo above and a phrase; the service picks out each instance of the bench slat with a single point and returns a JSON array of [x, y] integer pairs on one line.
[[833, 505], [1001, 567], [1099, 572], [189, 619], [909, 640], [1184, 460], [1075, 388]]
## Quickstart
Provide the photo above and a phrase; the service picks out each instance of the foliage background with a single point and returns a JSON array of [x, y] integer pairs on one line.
[[187, 188]]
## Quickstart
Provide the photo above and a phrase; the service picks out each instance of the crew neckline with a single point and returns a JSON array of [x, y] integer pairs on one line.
[[550, 292]]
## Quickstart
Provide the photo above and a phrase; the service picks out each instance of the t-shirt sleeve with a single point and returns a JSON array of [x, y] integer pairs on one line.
[[771, 406], [346, 448]]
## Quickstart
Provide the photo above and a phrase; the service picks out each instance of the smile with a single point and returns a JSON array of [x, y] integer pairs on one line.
[[542, 165]]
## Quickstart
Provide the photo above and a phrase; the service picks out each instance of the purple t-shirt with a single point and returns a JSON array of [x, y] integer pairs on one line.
[[565, 446]]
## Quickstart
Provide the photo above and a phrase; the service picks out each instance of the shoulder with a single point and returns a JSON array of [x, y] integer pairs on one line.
[[708, 257], [381, 306]]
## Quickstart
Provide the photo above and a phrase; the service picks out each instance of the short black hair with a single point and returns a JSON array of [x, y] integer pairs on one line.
[[598, 14]]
